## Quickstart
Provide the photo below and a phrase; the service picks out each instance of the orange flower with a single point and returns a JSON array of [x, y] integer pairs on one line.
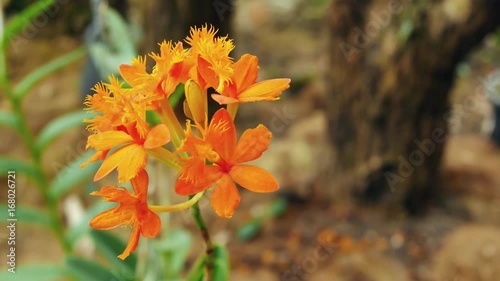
[[132, 210], [130, 157], [170, 70], [225, 155], [210, 55], [116, 107], [244, 86]]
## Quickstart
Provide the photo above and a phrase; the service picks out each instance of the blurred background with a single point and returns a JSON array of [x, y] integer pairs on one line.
[[386, 145]]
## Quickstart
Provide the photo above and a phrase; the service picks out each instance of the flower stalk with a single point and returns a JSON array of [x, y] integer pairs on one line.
[[206, 153]]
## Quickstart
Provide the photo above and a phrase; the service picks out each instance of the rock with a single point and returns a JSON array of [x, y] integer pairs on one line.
[[362, 266], [299, 158], [469, 253]]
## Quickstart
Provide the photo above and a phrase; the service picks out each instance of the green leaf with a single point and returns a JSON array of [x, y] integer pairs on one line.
[[8, 120], [278, 207], [405, 29], [221, 263], [10, 164], [21, 20], [77, 231], [60, 125], [43, 71], [116, 48], [25, 214], [39, 272], [86, 270], [110, 246], [249, 230], [175, 250], [197, 272], [152, 118], [176, 96], [72, 175]]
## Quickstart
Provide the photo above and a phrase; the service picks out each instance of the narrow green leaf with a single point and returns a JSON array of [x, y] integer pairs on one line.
[[72, 175], [197, 272], [39, 272], [110, 246], [24, 214], [116, 49], [60, 125], [21, 20], [10, 164], [8, 120], [221, 263], [86, 270], [41, 72]]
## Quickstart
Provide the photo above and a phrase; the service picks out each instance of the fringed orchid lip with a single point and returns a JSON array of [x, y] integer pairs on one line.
[[205, 154]]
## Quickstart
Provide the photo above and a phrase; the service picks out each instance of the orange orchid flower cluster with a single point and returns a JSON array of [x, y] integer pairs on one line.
[[206, 153]]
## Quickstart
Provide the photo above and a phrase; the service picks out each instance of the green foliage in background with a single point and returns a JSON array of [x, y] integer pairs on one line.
[[167, 258]]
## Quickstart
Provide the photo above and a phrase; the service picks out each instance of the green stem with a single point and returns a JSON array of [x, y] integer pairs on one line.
[[165, 156], [168, 117], [28, 139], [177, 207], [202, 227], [41, 179], [232, 108]]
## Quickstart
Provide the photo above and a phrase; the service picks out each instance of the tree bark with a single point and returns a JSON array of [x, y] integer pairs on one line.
[[172, 19], [392, 67]]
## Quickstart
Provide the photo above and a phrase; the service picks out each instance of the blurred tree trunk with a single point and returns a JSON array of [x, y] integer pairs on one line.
[[172, 19], [392, 67]]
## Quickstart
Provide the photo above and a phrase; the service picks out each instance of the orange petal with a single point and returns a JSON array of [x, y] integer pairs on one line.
[[207, 73], [133, 160], [116, 194], [108, 140], [157, 136], [111, 218], [135, 72], [132, 242], [196, 177], [223, 99], [245, 71], [150, 224], [140, 183], [221, 134], [225, 197], [197, 102], [252, 143], [129, 159], [265, 90], [254, 178]]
